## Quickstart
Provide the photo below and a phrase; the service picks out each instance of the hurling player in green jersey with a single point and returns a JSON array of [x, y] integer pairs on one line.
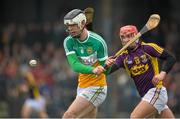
[[86, 53]]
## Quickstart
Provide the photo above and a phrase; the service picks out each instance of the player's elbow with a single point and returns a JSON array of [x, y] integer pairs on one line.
[[171, 59], [74, 67]]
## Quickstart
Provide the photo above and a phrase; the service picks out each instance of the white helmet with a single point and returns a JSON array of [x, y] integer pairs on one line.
[[75, 16]]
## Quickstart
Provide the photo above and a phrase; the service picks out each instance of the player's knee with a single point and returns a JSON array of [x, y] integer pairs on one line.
[[93, 113], [69, 114], [133, 115]]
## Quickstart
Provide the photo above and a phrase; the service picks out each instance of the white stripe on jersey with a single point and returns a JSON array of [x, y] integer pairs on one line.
[[71, 52], [65, 42], [99, 38], [104, 58], [84, 40]]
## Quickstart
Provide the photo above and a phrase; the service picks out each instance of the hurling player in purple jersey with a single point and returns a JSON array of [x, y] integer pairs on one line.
[[140, 60]]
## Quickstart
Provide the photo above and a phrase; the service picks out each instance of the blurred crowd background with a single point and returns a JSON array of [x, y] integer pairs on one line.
[[33, 29]]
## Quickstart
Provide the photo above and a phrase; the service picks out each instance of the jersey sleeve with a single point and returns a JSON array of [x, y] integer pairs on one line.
[[77, 66], [119, 62], [153, 49], [102, 53], [169, 59], [68, 46], [73, 60]]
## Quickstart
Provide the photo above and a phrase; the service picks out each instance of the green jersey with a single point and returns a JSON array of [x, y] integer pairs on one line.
[[92, 49], [83, 56]]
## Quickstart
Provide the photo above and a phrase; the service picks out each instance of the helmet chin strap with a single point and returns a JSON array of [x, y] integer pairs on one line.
[[79, 35]]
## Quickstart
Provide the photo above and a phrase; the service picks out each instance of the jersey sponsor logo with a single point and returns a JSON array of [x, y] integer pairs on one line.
[[139, 69], [89, 60]]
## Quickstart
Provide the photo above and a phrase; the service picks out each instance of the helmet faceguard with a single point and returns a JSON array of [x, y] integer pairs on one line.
[[75, 16]]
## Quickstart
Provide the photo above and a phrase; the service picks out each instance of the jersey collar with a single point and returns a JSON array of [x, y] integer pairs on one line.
[[85, 39]]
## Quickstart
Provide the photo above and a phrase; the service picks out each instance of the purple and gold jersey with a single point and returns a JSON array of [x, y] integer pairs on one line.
[[142, 65]]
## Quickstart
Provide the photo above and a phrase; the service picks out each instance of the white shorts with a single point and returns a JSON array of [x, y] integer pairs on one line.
[[95, 94], [36, 104], [157, 97]]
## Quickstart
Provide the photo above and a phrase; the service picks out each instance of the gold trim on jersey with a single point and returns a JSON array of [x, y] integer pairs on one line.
[[126, 67], [155, 65], [155, 46], [86, 80]]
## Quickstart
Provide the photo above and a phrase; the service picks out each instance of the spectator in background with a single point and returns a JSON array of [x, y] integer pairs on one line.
[[35, 101]]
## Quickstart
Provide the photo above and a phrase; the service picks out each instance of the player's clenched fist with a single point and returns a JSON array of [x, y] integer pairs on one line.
[[110, 61], [98, 70], [158, 77]]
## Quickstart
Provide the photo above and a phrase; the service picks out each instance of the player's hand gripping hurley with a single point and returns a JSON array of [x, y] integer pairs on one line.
[[153, 21]]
